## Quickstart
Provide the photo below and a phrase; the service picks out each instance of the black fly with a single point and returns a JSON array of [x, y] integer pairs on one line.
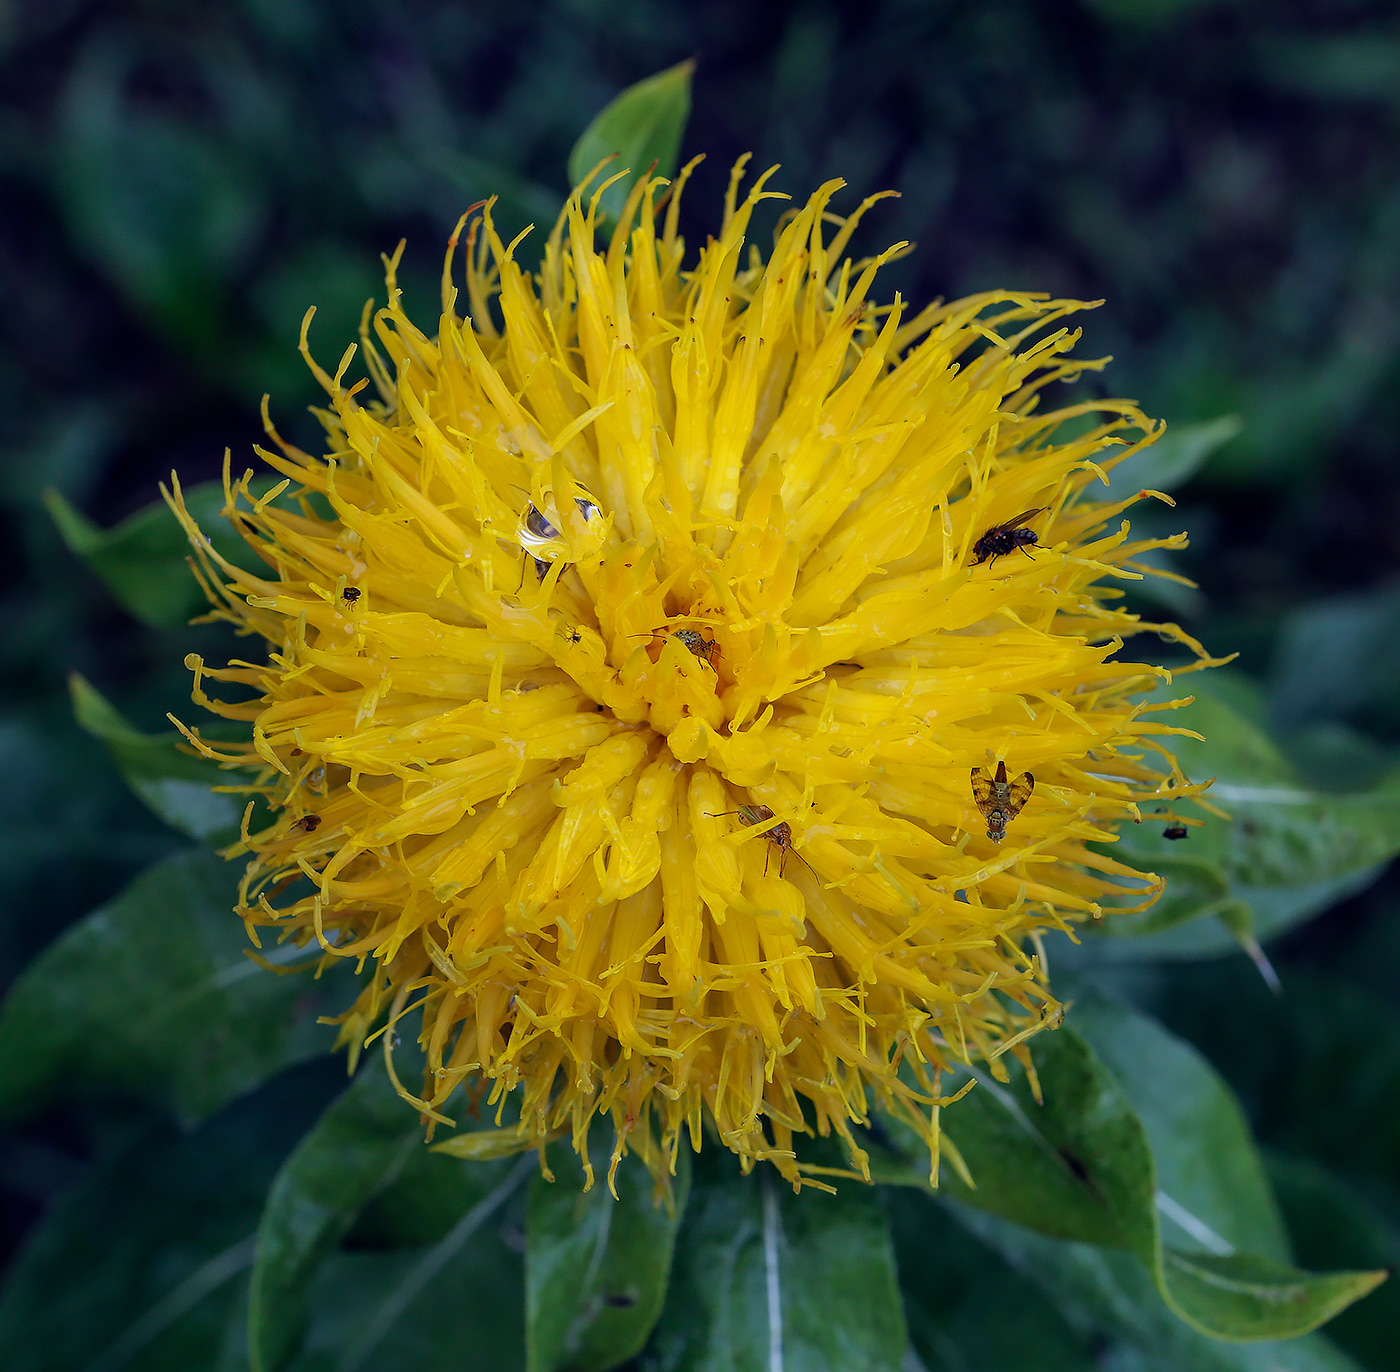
[[1006, 538]]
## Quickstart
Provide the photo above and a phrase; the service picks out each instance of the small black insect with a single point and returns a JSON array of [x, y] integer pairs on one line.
[[350, 594], [308, 824], [1174, 831], [1006, 538]]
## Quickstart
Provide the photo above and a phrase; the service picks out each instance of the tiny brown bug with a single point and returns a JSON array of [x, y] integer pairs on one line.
[[308, 824], [350, 594], [702, 647], [696, 641], [1174, 831], [1006, 538], [779, 836]]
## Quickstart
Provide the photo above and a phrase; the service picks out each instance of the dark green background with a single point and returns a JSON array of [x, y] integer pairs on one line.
[[178, 182]]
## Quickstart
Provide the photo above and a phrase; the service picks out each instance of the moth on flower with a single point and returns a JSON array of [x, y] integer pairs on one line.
[[520, 796]]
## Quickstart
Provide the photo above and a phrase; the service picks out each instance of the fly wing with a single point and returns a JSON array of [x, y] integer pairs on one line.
[[981, 789], [1024, 517], [1021, 790]]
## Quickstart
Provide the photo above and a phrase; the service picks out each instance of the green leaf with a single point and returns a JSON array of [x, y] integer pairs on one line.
[[139, 1265], [365, 1175], [357, 1148], [642, 126], [456, 1304], [1081, 1166], [1099, 1288], [596, 1265], [1287, 851], [1078, 1166], [153, 994], [422, 1203], [173, 784], [764, 1278], [967, 1308], [144, 560], [1208, 1172], [1175, 457], [1242, 1297]]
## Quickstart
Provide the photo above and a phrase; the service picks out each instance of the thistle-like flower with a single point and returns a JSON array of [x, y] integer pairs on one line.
[[632, 649]]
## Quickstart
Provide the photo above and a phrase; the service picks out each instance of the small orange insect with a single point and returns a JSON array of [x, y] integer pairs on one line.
[[1000, 800]]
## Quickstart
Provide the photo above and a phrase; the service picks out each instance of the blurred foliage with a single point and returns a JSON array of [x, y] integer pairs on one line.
[[180, 183]]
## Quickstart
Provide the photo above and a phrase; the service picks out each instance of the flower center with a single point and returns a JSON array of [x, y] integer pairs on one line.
[[671, 631]]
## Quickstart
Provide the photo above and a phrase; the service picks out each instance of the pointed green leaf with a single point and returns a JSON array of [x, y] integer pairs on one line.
[[1212, 1192], [1243, 1297], [1081, 1166], [596, 1265], [175, 785], [144, 560], [1108, 1290], [764, 1278], [153, 994], [642, 126], [976, 1302]]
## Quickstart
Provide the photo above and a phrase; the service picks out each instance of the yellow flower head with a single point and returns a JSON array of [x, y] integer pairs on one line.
[[633, 657]]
